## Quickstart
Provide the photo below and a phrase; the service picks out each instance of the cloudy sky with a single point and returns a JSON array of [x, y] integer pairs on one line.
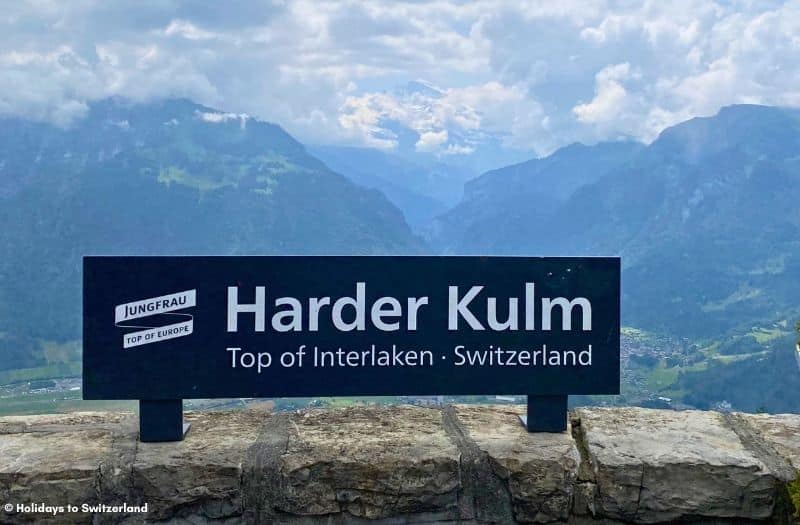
[[532, 75]]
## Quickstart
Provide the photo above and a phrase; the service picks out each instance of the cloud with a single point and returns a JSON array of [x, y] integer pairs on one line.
[[431, 140], [450, 121], [188, 31], [221, 118], [528, 75], [683, 59], [614, 108], [610, 95]]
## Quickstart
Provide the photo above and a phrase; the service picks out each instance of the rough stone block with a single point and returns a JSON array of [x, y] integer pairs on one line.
[[200, 475], [781, 432], [539, 469], [370, 463], [53, 460], [392, 465], [656, 466]]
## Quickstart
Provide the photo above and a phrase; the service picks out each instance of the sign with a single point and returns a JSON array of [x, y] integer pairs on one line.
[[167, 328]]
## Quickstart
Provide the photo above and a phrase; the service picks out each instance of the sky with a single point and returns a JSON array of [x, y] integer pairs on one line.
[[527, 75]]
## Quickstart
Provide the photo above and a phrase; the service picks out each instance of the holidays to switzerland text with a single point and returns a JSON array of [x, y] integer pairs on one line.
[[83, 508], [375, 357]]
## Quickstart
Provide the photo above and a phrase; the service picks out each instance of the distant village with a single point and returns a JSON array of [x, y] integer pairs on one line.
[[640, 354]]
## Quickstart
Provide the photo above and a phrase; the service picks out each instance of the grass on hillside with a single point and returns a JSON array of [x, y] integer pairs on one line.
[[58, 402], [52, 371], [765, 335]]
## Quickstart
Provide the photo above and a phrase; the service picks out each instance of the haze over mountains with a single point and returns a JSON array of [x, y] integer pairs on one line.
[[421, 172], [705, 218], [421, 187]]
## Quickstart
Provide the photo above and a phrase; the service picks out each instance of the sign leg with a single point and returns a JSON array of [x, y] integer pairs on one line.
[[546, 414], [161, 420]]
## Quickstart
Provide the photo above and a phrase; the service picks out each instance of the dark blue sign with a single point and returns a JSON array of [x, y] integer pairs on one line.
[[158, 328]]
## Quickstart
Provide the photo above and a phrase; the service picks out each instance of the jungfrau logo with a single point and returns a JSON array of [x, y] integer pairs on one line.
[[155, 308]]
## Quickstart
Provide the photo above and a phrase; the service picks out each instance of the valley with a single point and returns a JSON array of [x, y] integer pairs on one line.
[[658, 371], [704, 218]]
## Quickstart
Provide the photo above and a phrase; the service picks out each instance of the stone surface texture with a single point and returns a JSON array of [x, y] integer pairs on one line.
[[653, 466], [381, 465], [782, 431]]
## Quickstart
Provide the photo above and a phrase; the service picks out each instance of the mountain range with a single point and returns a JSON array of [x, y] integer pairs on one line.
[[167, 177], [705, 218]]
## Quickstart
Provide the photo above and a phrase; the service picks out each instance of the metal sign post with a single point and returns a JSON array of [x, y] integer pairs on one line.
[[162, 420], [546, 414]]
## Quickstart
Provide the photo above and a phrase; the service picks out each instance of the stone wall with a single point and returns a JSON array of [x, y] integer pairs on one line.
[[462, 464]]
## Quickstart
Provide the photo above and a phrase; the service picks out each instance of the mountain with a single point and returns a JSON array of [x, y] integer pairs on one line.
[[502, 209], [705, 218], [706, 221], [422, 189], [167, 177], [432, 147], [707, 224]]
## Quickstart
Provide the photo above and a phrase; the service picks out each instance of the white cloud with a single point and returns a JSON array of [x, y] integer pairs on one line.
[[221, 118], [615, 111], [448, 121], [527, 74], [610, 95], [188, 30], [431, 140]]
